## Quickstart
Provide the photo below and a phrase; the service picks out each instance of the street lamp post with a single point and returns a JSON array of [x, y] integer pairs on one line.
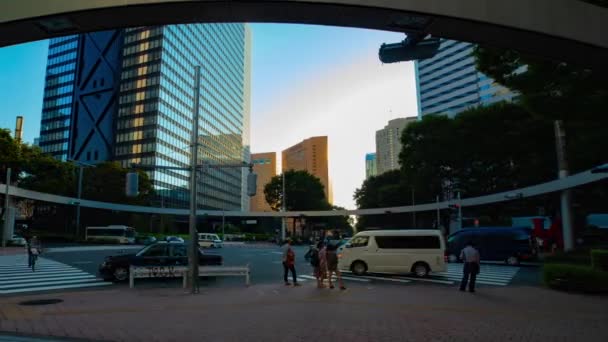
[[283, 206], [6, 228], [193, 250]]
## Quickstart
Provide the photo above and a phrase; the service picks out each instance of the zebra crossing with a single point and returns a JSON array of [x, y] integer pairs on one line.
[[17, 277], [489, 275], [497, 275]]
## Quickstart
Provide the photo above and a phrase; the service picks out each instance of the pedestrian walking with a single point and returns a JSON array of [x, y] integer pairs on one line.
[[313, 257], [322, 269], [471, 258], [33, 250], [289, 261], [332, 266]]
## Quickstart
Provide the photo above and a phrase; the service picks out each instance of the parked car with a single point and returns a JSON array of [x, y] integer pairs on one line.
[[17, 240], [145, 240], [508, 244], [161, 253], [209, 240], [395, 251], [174, 239]]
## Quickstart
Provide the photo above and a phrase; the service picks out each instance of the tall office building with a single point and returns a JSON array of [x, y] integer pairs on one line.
[[449, 83], [388, 144], [370, 165], [265, 166], [128, 96], [310, 155]]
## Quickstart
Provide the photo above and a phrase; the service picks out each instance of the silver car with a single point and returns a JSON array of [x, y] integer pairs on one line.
[[17, 241]]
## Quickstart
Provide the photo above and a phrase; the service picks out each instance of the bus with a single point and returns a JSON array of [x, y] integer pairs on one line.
[[117, 234]]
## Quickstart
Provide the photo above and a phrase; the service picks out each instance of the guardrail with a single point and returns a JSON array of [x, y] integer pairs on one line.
[[182, 271]]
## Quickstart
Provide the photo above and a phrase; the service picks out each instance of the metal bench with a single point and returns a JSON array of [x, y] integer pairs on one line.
[[182, 271]]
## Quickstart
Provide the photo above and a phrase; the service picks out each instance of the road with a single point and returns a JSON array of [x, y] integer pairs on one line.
[[74, 267]]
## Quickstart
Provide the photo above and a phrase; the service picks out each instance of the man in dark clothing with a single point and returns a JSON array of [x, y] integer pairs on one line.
[[470, 256]]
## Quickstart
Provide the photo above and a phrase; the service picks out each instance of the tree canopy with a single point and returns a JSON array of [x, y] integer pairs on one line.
[[303, 190]]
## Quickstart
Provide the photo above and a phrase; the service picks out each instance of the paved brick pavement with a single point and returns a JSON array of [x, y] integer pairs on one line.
[[277, 313]]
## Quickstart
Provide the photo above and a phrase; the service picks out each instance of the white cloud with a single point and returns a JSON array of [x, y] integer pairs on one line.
[[348, 104]]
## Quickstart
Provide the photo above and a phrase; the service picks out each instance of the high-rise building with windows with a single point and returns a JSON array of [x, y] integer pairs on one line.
[[310, 155], [128, 96], [449, 83], [265, 166], [371, 168], [388, 144]]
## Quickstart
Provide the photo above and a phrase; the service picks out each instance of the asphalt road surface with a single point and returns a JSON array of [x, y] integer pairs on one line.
[[264, 261]]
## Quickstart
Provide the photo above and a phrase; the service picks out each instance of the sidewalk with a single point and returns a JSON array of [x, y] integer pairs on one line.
[[279, 313], [12, 250]]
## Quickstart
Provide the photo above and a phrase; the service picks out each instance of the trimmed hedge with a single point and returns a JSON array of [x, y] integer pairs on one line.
[[580, 257], [599, 259], [575, 278]]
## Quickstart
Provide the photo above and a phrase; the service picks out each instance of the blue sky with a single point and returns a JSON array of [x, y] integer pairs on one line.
[[306, 81]]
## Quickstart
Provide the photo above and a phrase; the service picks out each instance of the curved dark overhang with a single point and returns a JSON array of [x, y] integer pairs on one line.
[[568, 30]]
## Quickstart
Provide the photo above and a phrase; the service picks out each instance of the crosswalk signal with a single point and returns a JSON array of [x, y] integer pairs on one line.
[[252, 184], [132, 184], [454, 210]]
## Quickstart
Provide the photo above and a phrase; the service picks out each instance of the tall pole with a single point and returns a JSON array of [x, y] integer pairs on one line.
[[459, 213], [283, 206], [6, 202], [79, 194], [413, 211], [565, 196], [438, 213], [193, 250], [223, 225]]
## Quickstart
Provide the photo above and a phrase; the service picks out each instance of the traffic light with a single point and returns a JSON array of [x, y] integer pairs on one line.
[[454, 210], [409, 50], [252, 184], [132, 184]]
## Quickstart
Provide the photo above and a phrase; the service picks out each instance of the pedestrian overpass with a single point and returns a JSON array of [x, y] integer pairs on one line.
[[569, 30]]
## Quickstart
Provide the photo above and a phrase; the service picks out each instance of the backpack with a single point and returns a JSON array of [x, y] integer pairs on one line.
[[291, 257], [314, 258]]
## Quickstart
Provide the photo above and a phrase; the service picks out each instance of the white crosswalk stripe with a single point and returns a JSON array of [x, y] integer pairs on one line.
[[488, 274], [17, 277]]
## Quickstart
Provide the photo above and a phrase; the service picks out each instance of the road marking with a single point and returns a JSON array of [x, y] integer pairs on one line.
[[276, 252], [60, 287], [49, 278], [81, 262], [428, 280], [17, 277], [388, 279]]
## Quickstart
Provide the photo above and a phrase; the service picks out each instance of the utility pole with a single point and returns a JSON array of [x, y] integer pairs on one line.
[[413, 211], [6, 202], [565, 196], [438, 213], [79, 194], [193, 250], [283, 206], [459, 213]]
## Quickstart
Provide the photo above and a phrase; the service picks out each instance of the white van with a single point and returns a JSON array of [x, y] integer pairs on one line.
[[395, 251], [208, 240]]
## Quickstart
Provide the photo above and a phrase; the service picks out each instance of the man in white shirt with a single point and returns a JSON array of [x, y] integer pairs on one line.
[[470, 256]]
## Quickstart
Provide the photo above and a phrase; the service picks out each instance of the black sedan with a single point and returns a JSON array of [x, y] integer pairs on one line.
[[116, 267]]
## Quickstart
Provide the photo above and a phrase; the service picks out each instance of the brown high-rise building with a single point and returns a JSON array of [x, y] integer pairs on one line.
[[310, 155], [265, 166]]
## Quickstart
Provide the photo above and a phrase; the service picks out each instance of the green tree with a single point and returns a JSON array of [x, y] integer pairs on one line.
[[303, 190], [556, 91], [106, 182]]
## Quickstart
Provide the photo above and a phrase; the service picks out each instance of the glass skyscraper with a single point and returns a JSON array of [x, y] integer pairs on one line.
[[58, 92], [148, 116], [449, 83]]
